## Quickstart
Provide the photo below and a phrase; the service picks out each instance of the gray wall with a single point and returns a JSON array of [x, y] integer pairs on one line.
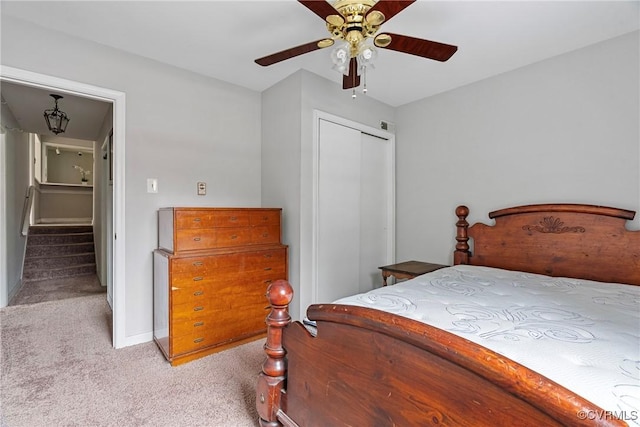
[[16, 185], [59, 203], [60, 167], [562, 130], [181, 128], [287, 139]]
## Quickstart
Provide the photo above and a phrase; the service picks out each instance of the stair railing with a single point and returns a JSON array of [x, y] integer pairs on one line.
[[26, 210]]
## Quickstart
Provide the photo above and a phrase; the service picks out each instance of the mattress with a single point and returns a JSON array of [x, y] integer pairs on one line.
[[584, 335]]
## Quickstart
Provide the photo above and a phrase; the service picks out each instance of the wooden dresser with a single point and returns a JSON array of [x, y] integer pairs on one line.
[[211, 272]]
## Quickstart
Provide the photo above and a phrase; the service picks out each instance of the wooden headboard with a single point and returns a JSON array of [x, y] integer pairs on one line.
[[569, 240]]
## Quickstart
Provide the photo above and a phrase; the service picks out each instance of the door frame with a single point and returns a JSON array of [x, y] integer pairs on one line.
[[42, 81], [391, 195]]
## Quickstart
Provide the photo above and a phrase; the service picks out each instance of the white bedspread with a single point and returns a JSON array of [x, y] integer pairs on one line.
[[581, 334]]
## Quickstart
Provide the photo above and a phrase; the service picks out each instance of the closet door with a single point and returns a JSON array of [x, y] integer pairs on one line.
[[351, 211]]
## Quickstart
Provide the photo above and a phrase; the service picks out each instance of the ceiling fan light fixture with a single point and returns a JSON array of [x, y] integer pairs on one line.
[[367, 54], [57, 120], [340, 56]]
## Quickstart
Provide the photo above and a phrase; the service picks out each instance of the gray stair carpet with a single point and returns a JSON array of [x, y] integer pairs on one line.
[[57, 252], [60, 263]]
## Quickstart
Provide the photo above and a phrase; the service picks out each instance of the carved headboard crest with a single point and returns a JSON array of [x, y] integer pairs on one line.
[[550, 224]]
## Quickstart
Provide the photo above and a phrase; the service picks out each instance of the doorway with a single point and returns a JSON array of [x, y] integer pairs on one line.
[[115, 265], [354, 207]]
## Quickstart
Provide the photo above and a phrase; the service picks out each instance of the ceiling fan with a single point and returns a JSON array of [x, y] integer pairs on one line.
[[354, 26]]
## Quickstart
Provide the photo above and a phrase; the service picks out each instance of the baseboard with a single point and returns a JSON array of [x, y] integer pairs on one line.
[[13, 292], [138, 339]]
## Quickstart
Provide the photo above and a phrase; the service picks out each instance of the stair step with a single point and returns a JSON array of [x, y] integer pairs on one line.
[[67, 260], [59, 238], [60, 229], [53, 250], [59, 251], [57, 273]]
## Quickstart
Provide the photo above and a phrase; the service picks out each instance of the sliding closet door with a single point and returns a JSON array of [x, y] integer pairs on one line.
[[352, 238], [374, 210]]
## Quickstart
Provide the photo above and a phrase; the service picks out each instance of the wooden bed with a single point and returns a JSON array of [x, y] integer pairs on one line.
[[371, 368]]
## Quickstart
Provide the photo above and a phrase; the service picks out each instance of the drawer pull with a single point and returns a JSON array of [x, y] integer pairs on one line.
[[265, 218], [196, 220], [268, 255], [195, 325], [233, 218], [265, 234], [268, 281], [198, 293], [199, 308], [267, 268], [197, 340], [196, 239], [197, 279], [198, 263], [235, 236]]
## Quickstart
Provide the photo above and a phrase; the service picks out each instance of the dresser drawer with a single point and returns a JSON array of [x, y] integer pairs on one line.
[[192, 310], [265, 234], [195, 239], [196, 340], [193, 266], [194, 219], [196, 325], [231, 218], [233, 236], [258, 260], [264, 217], [193, 293]]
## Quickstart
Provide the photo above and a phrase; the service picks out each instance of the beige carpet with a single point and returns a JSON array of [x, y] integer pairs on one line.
[[58, 369]]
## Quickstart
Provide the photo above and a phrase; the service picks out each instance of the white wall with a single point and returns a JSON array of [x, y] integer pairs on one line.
[[287, 171], [16, 151], [181, 128], [562, 130]]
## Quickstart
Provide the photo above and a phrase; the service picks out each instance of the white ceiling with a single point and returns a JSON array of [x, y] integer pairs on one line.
[[27, 104], [221, 39]]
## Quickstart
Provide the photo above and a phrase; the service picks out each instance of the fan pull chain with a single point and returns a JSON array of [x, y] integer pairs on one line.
[[353, 77], [364, 78]]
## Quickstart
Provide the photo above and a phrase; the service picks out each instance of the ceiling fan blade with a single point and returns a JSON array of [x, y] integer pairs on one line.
[[353, 79], [420, 47], [320, 8], [390, 8], [290, 53]]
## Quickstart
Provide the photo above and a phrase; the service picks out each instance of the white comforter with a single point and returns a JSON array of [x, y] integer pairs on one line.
[[581, 334]]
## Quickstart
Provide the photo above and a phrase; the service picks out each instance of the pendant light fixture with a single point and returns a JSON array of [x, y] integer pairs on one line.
[[57, 120]]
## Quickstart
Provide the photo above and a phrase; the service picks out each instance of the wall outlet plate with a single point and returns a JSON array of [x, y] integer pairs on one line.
[[202, 188]]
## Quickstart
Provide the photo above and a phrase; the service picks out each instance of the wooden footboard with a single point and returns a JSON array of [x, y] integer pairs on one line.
[[370, 368]]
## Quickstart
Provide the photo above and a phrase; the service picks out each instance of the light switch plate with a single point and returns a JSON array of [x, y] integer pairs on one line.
[[152, 185], [202, 188]]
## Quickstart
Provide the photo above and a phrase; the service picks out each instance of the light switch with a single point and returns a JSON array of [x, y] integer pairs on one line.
[[202, 188], [152, 185]]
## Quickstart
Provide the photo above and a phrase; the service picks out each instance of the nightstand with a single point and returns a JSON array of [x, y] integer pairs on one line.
[[408, 270]]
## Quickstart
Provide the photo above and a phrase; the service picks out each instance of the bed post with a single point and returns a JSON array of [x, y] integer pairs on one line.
[[271, 379], [461, 254]]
